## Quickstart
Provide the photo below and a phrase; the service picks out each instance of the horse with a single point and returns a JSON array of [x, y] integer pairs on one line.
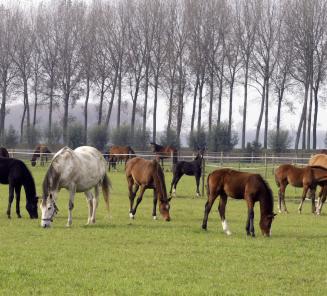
[[147, 174], [77, 170], [4, 152], [307, 177], [15, 173], [189, 168], [164, 152], [320, 160], [119, 153], [240, 185], [42, 151]]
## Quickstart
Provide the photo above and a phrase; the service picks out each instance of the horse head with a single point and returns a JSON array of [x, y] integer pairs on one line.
[[265, 224], [49, 210], [164, 208]]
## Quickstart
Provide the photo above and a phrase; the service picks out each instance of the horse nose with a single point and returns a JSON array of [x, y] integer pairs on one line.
[[168, 219]]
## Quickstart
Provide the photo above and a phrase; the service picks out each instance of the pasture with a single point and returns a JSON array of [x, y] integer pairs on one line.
[[119, 256]]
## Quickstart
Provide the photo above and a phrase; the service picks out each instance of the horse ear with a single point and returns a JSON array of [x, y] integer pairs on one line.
[[50, 195], [169, 199]]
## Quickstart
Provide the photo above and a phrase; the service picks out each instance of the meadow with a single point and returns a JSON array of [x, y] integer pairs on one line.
[[119, 256]]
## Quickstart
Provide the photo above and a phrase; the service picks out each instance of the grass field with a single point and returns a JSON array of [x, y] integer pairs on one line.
[[118, 256]]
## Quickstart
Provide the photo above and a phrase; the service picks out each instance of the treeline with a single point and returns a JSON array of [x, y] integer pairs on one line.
[[179, 50]]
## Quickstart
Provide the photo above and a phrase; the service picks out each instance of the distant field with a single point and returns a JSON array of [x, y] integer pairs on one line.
[[118, 256]]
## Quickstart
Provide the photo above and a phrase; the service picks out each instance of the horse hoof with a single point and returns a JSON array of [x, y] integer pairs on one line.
[[228, 232], [204, 227], [131, 216], [155, 218], [197, 195], [19, 216]]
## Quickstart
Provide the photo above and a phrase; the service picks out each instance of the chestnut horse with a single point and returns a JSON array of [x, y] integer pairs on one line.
[[4, 152], [320, 160], [42, 151], [164, 152], [147, 174], [240, 185], [119, 153], [307, 177]]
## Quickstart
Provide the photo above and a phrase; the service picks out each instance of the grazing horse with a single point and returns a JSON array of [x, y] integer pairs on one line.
[[119, 153], [320, 160], [164, 152], [4, 152], [240, 185], [147, 174], [77, 170], [15, 173], [42, 151], [307, 177], [189, 168]]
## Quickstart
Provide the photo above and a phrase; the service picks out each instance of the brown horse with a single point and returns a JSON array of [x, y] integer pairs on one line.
[[119, 153], [307, 177], [147, 174], [164, 152], [42, 151], [4, 152], [320, 160], [240, 185]]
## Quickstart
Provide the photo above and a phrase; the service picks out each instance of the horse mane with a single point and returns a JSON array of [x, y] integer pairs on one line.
[[131, 151], [159, 180], [28, 183], [269, 192], [156, 146]]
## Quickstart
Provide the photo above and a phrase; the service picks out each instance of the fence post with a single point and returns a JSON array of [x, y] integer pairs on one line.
[[221, 159], [203, 175], [266, 165], [172, 160]]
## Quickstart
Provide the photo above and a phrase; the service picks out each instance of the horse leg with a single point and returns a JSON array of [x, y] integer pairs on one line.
[[71, 205], [304, 193], [176, 180], [155, 199], [197, 180], [313, 199], [139, 199], [281, 199], [95, 202], [132, 195], [10, 199], [322, 201], [89, 198], [221, 210], [207, 208], [250, 219], [17, 191]]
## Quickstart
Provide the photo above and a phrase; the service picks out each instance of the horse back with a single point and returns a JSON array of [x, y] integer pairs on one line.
[[318, 160], [141, 170]]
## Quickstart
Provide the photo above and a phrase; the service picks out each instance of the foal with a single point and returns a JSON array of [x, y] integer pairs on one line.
[[307, 177]]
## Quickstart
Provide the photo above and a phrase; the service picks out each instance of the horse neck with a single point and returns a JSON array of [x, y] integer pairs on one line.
[[160, 184], [320, 174], [50, 182], [29, 186]]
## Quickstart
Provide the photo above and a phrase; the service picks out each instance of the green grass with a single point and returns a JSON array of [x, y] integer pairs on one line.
[[118, 256]]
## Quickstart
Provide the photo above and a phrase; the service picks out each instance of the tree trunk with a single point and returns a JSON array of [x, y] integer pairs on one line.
[[200, 104], [35, 100], [261, 112], [298, 133], [315, 117], [145, 106], [265, 138], [194, 102], [210, 100], [86, 104], [27, 107], [220, 95], [119, 95], [50, 111], [113, 92], [22, 124], [305, 105], [3, 109], [134, 110], [309, 118], [231, 89], [101, 100], [245, 102], [154, 131], [170, 110], [65, 119]]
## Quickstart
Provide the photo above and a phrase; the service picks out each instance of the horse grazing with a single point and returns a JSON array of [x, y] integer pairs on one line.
[[41, 151], [4, 152], [320, 160], [77, 170], [147, 174], [15, 173], [307, 177], [164, 152], [119, 153], [189, 168], [240, 185]]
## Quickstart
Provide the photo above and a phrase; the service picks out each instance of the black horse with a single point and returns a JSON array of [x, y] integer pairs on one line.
[[15, 173], [4, 152], [189, 168]]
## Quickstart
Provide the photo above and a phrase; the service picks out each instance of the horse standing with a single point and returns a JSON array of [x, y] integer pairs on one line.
[[4, 152], [307, 177], [163, 152], [77, 170], [119, 153], [147, 174], [189, 168], [15, 173], [240, 185], [41, 151]]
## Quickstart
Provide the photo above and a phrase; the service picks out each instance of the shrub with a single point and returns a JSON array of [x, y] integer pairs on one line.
[[11, 137], [141, 140], [121, 136], [279, 143], [219, 139], [98, 137], [169, 138], [56, 134], [32, 136], [75, 135], [197, 139], [253, 147]]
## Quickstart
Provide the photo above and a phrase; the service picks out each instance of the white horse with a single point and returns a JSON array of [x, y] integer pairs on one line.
[[77, 170]]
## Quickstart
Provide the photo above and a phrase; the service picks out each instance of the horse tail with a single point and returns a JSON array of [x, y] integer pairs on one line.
[[106, 184], [175, 157], [159, 178], [207, 185]]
